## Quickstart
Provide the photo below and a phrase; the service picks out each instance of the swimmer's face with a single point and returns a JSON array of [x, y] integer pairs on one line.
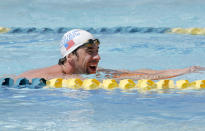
[[87, 59]]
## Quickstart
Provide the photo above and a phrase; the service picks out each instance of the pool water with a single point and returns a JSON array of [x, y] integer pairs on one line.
[[148, 46]]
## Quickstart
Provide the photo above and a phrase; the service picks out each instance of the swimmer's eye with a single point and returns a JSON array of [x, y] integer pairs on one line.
[[92, 51]]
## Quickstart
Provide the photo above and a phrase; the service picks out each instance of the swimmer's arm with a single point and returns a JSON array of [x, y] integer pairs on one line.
[[162, 74], [165, 74], [192, 69], [156, 74]]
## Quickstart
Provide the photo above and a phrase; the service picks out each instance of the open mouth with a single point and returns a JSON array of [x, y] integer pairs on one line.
[[92, 69]]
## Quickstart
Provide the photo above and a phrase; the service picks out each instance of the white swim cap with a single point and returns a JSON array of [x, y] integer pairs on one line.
[[73, 39]]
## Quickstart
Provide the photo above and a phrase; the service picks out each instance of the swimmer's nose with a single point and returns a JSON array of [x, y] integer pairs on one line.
[[97, 57]]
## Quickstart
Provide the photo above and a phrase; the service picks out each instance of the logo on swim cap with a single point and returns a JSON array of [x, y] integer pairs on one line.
[[73, 39], [69, 44]]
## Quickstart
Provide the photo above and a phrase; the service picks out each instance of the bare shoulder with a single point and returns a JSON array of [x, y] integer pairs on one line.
[[40, 73], [33, 73]]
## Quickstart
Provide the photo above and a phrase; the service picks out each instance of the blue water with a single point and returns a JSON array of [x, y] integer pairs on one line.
[[132, 33], [98, 13]]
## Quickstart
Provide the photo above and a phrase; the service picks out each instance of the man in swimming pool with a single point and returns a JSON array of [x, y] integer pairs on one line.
[[79, 49]]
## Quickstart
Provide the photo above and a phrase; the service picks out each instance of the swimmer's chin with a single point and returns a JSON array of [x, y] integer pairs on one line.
[[91, 72]]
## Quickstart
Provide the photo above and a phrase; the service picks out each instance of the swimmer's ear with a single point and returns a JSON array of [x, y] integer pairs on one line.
[[69, 58]]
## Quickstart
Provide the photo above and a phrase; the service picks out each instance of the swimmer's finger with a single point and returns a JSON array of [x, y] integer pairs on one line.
[[202, 68], [199, 68], [195, 69]]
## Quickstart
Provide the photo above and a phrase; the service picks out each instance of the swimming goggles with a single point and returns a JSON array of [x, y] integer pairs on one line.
[[91, 42]]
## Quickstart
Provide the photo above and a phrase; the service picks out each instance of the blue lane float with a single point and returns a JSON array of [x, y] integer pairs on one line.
[[6, 82], [37, 83], [22, 83]]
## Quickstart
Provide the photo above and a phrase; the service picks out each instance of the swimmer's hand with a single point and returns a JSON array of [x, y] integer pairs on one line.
[[195, 69]]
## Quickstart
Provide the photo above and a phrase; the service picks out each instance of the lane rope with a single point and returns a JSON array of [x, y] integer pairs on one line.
[[100, 30], [107, 84], [110, 30]]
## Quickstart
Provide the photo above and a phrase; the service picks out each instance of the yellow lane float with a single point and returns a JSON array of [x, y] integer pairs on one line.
[[4, 30], [90, 84], [127, 84], [146, 84], [74, 83], [199, 84], [165, 84], [109, 84], [192, 31], [54, 83], [182, 84]]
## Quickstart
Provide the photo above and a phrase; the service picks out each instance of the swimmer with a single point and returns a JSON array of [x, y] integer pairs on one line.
[[79, 50]]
